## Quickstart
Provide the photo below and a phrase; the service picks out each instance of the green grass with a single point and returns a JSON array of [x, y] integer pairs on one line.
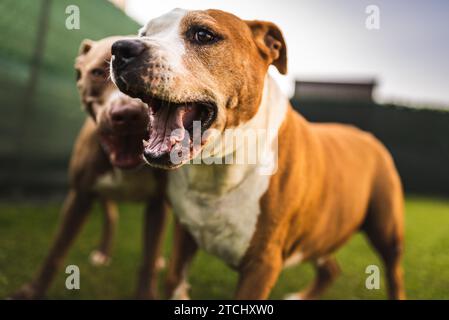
[[26, 232]]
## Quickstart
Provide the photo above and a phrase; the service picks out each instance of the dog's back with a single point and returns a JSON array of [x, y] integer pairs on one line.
[[338, 170]]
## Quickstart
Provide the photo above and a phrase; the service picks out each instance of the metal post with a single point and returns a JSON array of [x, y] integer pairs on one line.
[[30, 89]]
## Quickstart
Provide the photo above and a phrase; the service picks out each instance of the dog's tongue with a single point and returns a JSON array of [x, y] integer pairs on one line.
[[167, 127]]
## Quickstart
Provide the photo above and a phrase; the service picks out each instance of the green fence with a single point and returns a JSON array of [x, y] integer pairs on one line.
[[418, 139], [41, 112]]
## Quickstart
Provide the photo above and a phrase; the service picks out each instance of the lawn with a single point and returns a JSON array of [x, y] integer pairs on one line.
[[26, 232]]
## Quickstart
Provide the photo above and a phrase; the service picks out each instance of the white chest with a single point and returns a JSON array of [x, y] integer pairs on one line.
[[220, 204], [223, 221]]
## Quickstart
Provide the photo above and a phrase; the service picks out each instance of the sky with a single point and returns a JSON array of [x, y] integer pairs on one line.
[[328, 40]]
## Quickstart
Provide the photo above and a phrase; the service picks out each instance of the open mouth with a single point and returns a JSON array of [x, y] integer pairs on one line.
[[124, 150], [176, 130]]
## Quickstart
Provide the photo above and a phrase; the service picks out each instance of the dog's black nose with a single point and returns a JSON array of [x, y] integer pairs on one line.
[[125, 50]]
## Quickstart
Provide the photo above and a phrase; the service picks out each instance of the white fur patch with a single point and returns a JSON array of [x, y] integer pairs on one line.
[[163, 33], [220, 204], [293, 296], [99, 259], [181, 292]]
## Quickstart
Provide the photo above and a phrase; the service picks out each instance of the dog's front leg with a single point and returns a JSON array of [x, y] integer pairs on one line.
[[184, 249], [102, 255], [76, 207], [153, 234], [258, 275]]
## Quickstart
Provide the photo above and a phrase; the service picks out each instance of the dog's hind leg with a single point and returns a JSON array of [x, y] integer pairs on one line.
[[327, 270], [385, 235], [384, 228], [102, 255], [76, 207]]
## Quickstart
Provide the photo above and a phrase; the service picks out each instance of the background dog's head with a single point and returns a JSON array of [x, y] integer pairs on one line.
[[121, 120], [188, 66]]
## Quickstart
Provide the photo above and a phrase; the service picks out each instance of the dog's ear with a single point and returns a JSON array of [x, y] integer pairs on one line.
[[85, 46], [270, 42]]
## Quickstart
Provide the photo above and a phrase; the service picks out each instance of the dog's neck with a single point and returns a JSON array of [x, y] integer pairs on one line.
[[221, 178]]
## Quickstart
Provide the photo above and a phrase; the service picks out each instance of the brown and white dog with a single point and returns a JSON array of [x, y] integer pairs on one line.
[[325, 181], [106, 146]]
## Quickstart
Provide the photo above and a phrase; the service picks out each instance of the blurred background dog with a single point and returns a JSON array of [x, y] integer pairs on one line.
[[104, 150]]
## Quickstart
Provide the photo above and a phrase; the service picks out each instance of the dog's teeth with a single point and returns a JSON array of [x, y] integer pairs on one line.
[[145, 143]]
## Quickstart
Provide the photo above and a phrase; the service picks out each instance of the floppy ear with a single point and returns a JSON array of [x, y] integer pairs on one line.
[[85, 46], [270, 42]]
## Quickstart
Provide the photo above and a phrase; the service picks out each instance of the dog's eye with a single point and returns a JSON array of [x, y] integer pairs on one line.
[[98, 72], [203, 36]]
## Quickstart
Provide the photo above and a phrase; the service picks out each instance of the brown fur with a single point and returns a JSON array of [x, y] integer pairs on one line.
[[335, 181]]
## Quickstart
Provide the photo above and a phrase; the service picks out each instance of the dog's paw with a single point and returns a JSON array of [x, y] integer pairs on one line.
[[294, 296], [181, 292], [26, 292], [160, 263], [99, 259]]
